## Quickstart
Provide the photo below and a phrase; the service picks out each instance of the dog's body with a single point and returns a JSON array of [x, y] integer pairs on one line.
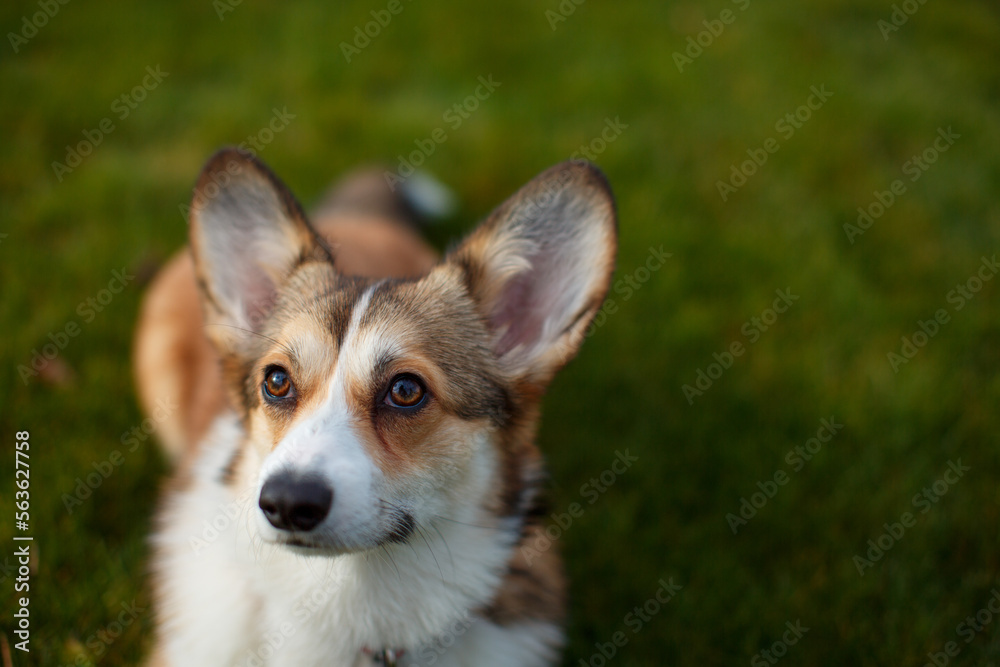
[[356, 473]]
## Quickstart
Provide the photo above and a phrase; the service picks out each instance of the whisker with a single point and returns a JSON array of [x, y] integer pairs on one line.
[[462, 523], [420, 532], [447, 548], [383, 549], [254, 333]]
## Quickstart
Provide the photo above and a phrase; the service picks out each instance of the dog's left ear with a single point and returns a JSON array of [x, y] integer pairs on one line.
[[540, 266]]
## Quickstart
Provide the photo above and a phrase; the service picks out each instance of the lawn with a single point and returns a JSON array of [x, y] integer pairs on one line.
[[809, 391]]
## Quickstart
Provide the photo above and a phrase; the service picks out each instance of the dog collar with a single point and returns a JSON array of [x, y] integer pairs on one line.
[[386, 656]]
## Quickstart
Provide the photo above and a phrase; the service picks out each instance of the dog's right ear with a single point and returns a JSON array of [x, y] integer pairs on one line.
[[248, 233]]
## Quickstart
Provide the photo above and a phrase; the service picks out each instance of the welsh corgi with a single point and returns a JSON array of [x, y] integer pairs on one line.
[[356, 474]]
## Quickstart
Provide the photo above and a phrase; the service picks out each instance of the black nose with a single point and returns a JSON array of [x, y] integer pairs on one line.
[[292, 502]]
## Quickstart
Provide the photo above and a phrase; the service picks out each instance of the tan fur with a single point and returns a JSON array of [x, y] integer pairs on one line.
[[174, 362], [176, 365]]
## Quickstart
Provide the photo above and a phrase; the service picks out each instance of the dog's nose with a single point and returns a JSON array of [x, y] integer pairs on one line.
[[291, 502]]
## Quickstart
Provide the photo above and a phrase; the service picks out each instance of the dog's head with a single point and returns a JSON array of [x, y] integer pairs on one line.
[[377, 406]]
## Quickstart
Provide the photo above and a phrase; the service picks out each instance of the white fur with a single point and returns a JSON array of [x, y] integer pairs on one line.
[[231, 596]]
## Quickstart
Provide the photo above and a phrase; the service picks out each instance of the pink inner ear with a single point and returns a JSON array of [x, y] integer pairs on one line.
[[524, 306], [242, 282], [259, 299]]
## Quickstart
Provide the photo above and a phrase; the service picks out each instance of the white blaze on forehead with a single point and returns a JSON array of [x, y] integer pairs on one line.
[[366, 347], [324, 444]]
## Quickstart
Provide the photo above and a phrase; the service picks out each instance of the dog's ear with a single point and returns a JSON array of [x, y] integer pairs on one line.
[[248, 233], [539, 268]]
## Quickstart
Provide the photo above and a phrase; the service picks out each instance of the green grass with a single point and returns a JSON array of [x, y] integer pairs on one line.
[[666, 516]]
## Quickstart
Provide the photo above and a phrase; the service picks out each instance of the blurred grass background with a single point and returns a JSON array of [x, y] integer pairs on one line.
[[666, 516]]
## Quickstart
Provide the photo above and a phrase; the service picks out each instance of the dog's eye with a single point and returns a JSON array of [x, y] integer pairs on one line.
[[405, 391], [277, 384]]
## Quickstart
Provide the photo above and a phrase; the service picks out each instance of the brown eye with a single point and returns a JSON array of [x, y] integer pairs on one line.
[[277, 384], [406, 391]]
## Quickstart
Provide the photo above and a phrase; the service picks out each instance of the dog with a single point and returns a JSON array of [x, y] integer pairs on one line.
[[356, 479]]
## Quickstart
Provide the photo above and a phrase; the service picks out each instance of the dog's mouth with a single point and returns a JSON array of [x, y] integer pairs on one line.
[[305, 543], [296, 542], [401, 526]]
